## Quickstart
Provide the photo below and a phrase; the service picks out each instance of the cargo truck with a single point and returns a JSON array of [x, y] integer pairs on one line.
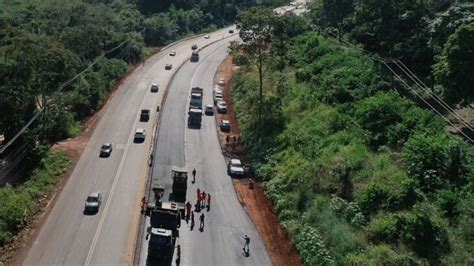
[[194, 117], [165, 220], [196, 97]]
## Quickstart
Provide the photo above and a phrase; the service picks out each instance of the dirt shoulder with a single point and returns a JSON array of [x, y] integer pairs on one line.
[[255, 202], [17, 250]]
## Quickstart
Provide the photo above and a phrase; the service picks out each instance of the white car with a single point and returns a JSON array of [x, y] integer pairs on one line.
[[218, 97], [207, 36], [221, 107], [217, 89], [173, 53], [221, 82], [235, 168], [140, 135]]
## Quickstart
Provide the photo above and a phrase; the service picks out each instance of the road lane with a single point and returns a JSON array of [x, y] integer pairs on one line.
[[220, 243], [67, 234]]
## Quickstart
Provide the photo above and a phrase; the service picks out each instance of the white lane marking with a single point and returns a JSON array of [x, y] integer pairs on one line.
[[112, 189], [107, 204]]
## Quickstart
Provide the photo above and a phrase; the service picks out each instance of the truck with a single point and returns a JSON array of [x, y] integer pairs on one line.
[[196, 97], [194, 117], [145, 115], [194, 56], [180, 185], [165, 220]]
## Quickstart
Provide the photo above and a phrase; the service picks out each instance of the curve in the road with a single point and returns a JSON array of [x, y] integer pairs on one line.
[[220, 243]]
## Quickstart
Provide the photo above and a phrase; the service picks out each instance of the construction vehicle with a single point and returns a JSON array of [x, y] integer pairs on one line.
[[165, 219], [194, 117], [194, 56], [196, 97], [180, 185]]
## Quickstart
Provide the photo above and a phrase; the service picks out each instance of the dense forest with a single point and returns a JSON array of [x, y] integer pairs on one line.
[[358, 173], [58, 62]]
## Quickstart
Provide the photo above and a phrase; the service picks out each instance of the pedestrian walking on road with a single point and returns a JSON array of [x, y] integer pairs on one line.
[[247, 243], [192, 219], [194, 175], [203, 199], [201, 219], [198, 194], [188, 210], [227, 139], [178, 254], [208, 201]]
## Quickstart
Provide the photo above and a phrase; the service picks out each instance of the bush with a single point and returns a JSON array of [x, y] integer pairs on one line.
[[374, 198], [310, 246], [384, 229], [425, 233], [19, 203], [378, 115], [448, 203], [424, 157], [381, 255]]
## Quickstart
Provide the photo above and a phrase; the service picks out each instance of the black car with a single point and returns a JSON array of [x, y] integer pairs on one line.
[[225, 126], [168, 66], [231, 31], [194, 47], [106, 149]]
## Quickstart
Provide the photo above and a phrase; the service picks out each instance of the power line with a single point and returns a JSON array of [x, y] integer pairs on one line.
[[60, 88], [411, 75]]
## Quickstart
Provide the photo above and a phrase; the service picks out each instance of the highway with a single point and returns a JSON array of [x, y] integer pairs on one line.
[[220, 242], [70, 237]]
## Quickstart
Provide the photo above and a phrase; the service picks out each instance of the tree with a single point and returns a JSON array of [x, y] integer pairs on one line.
[[256, 28], [454, 69], [396, 29], [331, 13]]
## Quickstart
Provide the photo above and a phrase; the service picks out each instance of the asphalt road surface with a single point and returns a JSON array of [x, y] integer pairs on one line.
[[70, 237], [220, 242]]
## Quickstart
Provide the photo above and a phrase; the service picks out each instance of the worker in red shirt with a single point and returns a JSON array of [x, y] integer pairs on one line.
[[203, 199]]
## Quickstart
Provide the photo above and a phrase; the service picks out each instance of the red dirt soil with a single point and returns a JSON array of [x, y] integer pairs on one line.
[[258, 206]]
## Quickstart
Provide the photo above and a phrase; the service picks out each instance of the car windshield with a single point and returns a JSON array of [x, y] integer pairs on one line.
[[92, 199], [105, 146]]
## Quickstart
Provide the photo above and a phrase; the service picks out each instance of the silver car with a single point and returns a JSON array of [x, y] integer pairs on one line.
[[106, 149], [93, 202], [221, 107]]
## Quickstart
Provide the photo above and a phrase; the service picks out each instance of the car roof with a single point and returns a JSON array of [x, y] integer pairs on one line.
[[94, 194], [179, 169], [195, 110], [235, 161]]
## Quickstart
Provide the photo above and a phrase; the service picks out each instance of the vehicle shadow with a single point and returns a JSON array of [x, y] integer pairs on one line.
[[90, 213], [192, 126]]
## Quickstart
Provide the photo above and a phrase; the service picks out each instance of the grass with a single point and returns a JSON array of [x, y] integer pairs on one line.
[[20, 204]]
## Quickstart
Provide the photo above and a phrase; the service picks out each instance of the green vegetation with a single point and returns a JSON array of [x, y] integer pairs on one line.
[[44, 44], [20, 203], [357, 174], [432, 37]]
